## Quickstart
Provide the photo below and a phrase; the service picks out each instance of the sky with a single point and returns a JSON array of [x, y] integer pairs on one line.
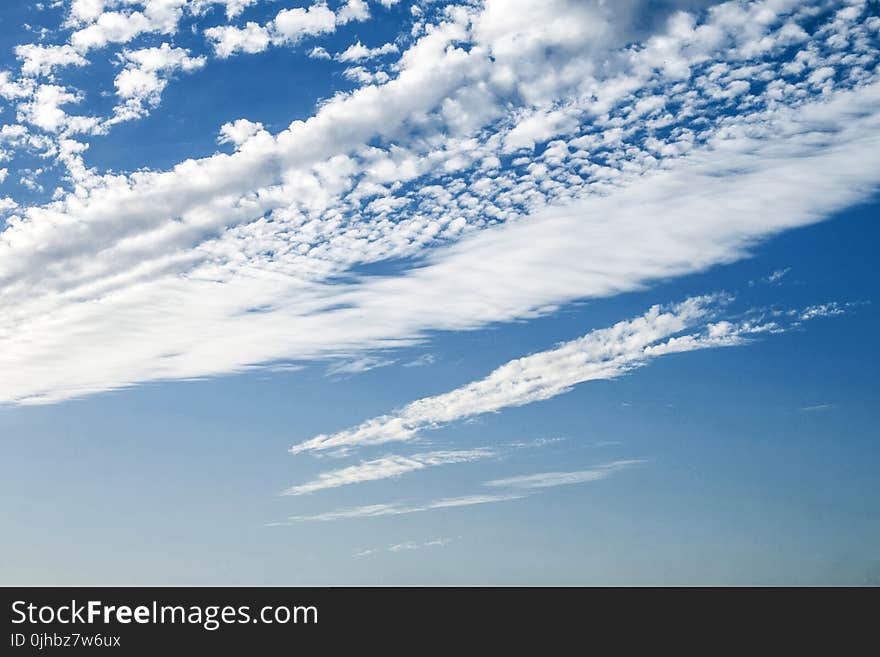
[[474, 292]]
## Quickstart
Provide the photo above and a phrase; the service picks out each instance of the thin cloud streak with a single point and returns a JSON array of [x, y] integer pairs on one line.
[[396, 509], [387, 467], [601, 354], [529, 485], [406, 546], [552, 479], [395, 465]]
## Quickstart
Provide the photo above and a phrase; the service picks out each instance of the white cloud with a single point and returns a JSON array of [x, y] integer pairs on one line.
[[353, 10], [110, 27], [551, 479], [82, 11], [94, 24], [505, 272], [44, 111], [228, 39], [358, 52], [359, 365], [319, 52], [232, 7], [538, 127], [601, 354], [387, 467], [395, 509], [293, 24], [405, 546], [12, 89], [817, 407], [363, 76], [41, 60], [778, 275]]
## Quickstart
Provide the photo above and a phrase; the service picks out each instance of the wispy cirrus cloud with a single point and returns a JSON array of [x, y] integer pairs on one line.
[[552, 479], [601, 354], [816, 408], [358, 52], [289, 26], [388, 467]]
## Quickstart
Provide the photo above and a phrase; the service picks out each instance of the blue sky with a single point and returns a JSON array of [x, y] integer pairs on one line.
[[439, 293]]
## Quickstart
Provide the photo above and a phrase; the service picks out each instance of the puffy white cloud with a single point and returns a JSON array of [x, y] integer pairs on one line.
[[821, 310], [291, 25], [41, 60], [94, 24], [353, 10], [84, 11], [359, 365], [524, 486], [552, 479], [816, 408], [358, 52], [406, 545], [11, 89], [499, 274], [44, 107], [318, 52], [163, 58], [145, 76], [773, 278], [239, 131], [363, 76], [232, 7], [539, 127], [395, 509], [422, 361], [108, 27], [601, 354]]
